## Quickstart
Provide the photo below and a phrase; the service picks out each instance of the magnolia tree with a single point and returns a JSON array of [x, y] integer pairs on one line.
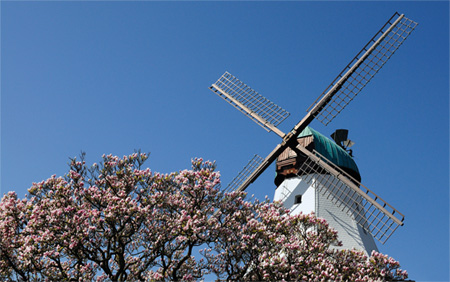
[[116, 221]]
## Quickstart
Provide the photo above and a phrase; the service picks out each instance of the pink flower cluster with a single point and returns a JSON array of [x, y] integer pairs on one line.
[[117, 221]]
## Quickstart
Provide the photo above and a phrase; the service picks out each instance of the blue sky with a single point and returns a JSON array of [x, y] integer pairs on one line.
[[112, 77]]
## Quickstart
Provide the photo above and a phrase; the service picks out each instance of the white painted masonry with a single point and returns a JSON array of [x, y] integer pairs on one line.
[[349, 232]]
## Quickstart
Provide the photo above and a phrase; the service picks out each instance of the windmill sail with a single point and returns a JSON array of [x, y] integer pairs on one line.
[[371, 212], [262, 111], [363, 67], [243, 175]]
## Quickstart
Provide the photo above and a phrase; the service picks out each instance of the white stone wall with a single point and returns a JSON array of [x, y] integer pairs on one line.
[[349, 232], [291, 187]]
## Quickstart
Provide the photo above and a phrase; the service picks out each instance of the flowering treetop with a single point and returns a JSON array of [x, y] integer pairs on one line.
[[118, 221]]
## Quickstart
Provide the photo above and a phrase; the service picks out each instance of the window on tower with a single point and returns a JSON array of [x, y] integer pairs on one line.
[[298, 199]]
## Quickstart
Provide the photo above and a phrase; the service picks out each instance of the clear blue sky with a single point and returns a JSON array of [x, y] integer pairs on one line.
[[111, 77]]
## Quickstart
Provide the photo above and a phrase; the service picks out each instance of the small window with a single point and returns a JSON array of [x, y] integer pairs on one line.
[[298, 199]]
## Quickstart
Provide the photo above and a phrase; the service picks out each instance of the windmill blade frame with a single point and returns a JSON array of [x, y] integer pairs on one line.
[[258, 108], [243, 174], [362, 68]]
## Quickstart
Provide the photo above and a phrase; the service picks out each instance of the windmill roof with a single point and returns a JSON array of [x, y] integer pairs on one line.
[[330, 150]]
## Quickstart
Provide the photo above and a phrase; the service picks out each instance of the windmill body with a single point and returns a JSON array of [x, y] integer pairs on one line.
[[303, 192]]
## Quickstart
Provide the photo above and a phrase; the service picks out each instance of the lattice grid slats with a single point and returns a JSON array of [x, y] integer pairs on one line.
[[248, 101], [365, 210], [243, 175], [374, 55]]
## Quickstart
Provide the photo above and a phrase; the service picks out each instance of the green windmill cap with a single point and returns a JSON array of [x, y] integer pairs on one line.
[[330, 150]]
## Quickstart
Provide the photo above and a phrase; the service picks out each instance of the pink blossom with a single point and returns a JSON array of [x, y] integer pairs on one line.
[[129, 223]]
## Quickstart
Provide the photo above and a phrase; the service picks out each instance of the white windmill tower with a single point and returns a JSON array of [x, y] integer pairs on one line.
[[324, 181], [304, 187]]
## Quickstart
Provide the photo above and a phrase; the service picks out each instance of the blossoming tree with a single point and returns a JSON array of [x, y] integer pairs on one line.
[[117, 221]]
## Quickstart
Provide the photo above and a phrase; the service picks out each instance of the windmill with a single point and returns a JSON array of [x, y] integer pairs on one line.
[[372, 214]]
